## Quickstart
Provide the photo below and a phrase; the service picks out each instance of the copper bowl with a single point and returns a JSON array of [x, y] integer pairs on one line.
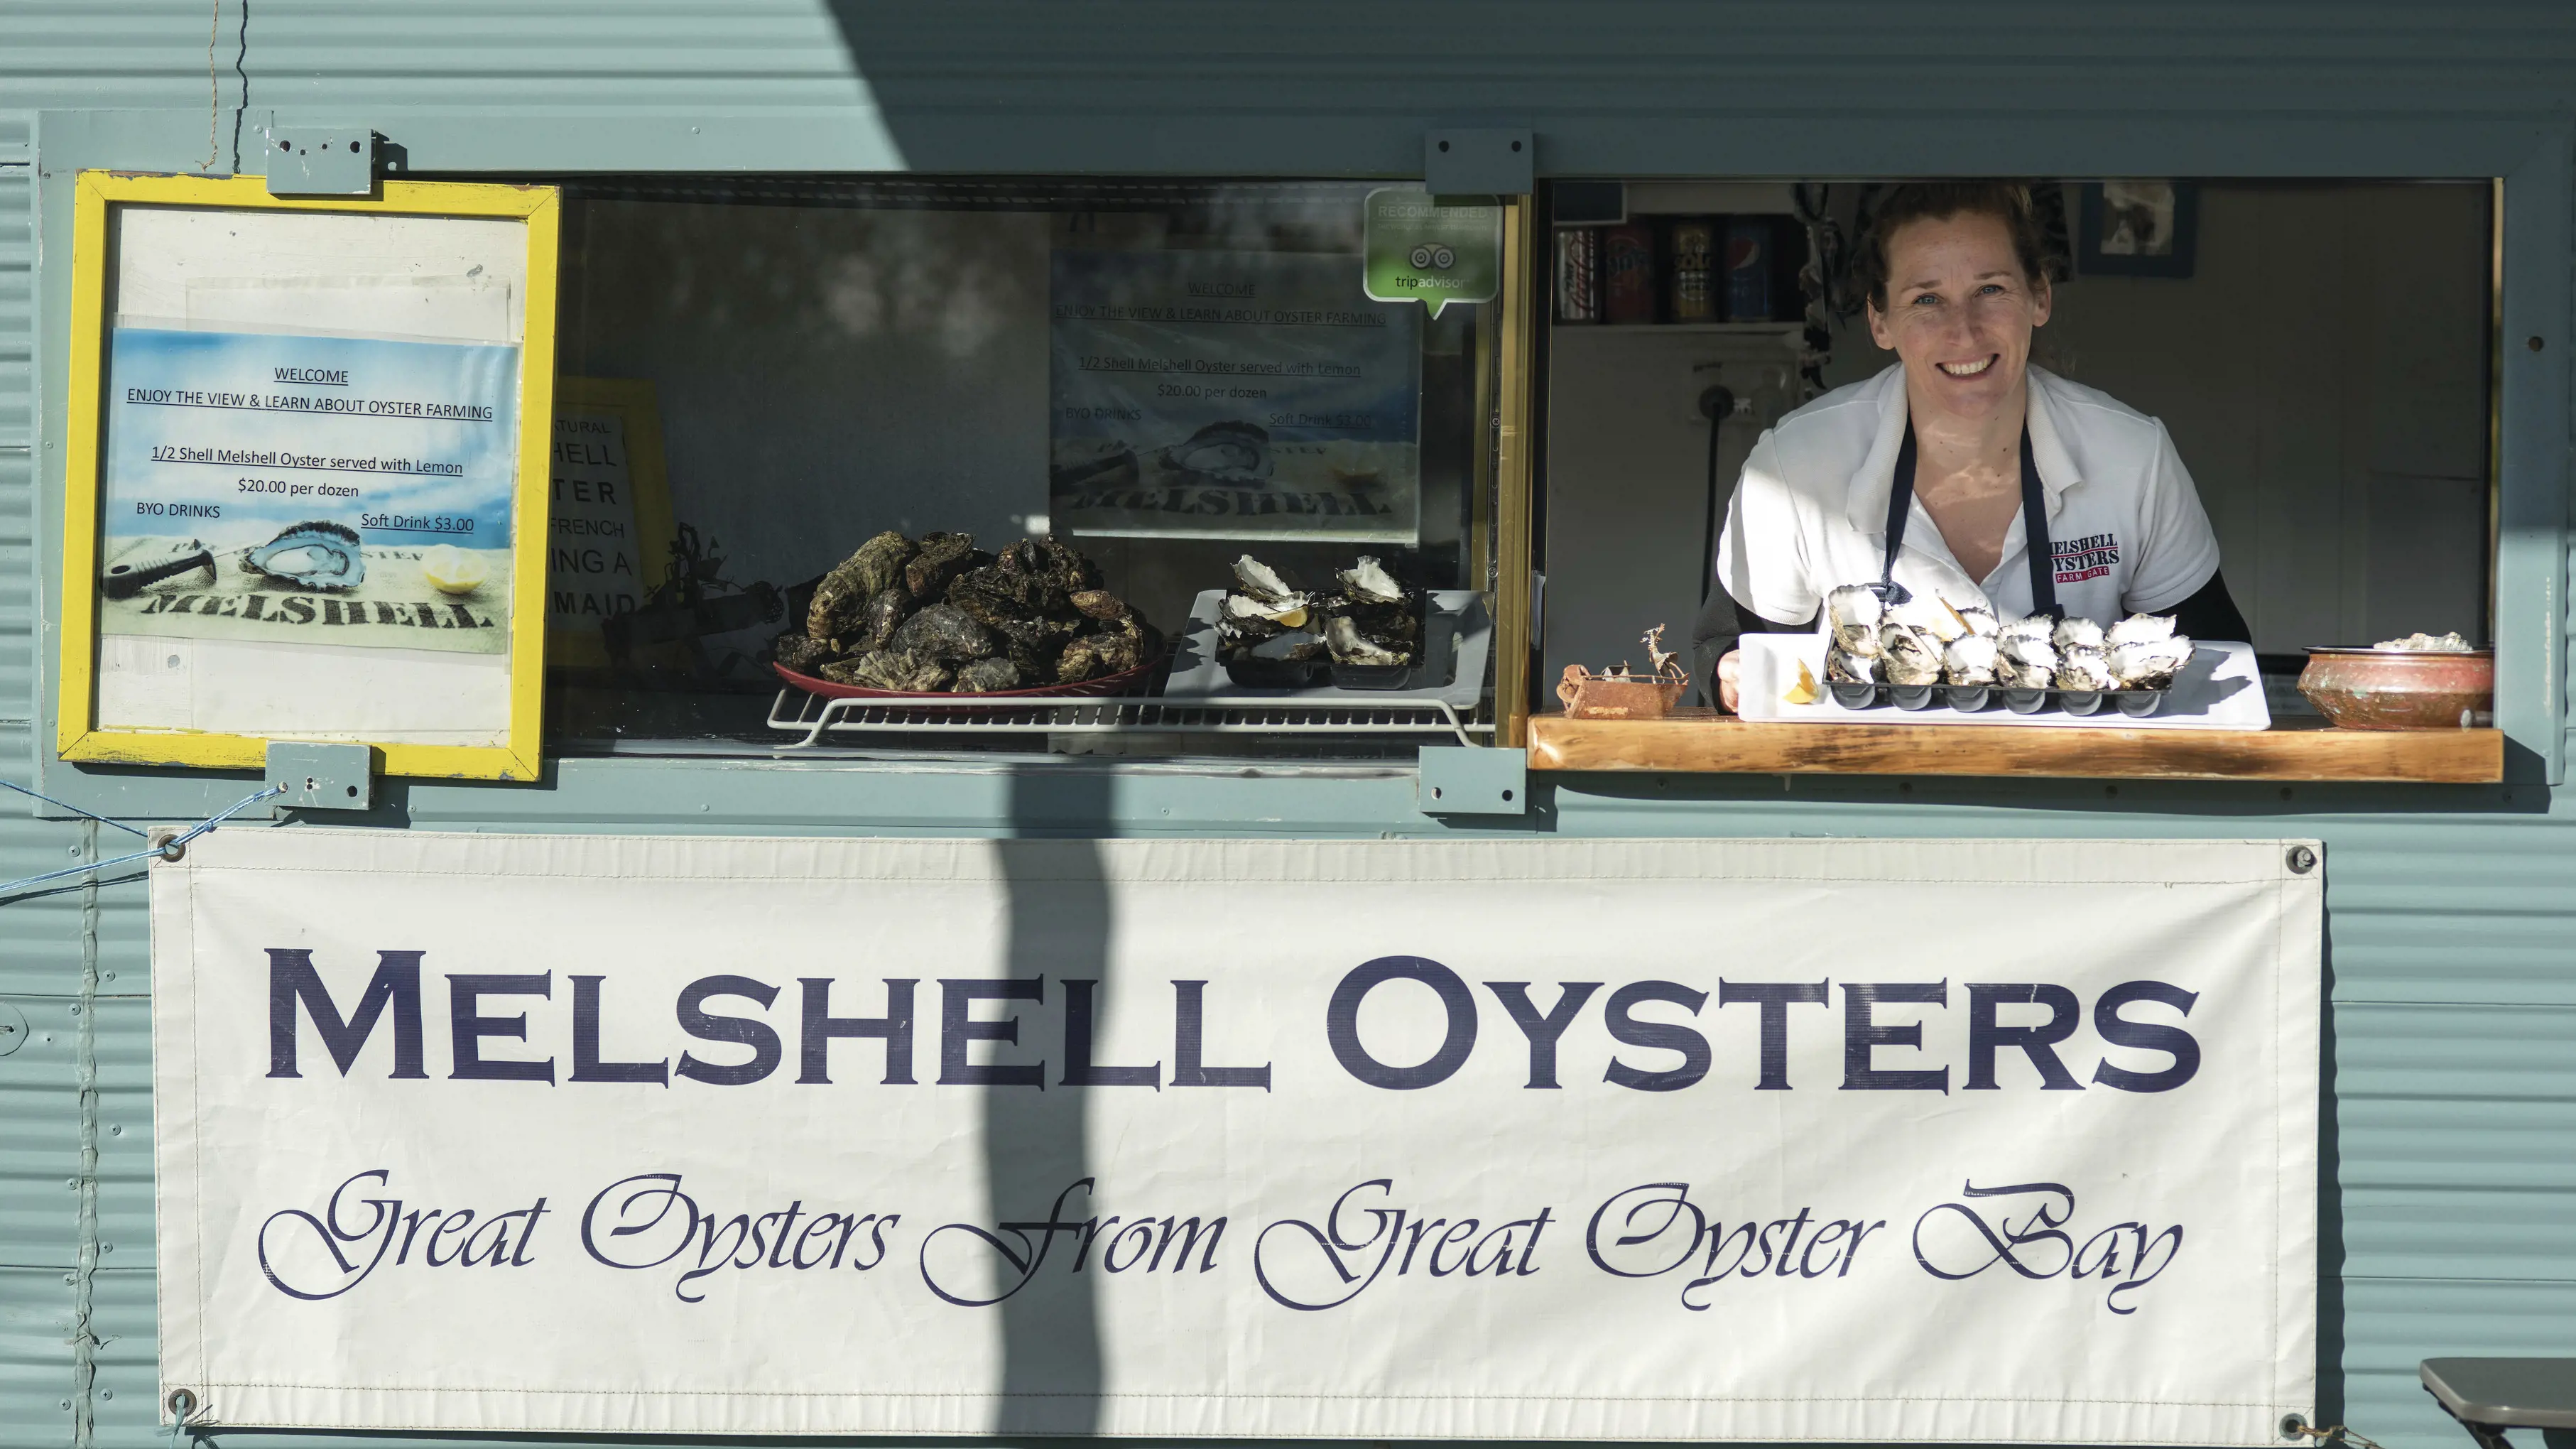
[[2397, 689]]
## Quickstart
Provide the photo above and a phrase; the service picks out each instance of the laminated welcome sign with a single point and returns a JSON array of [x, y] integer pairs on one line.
[[306, 472]]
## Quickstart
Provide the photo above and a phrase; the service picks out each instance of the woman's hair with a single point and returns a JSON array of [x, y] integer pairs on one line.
[[2006, 201]]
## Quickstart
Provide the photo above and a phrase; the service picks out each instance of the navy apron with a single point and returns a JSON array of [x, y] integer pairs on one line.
[[2034, 526]]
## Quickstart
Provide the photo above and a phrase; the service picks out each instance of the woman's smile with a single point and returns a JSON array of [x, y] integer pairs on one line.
[[1972, 367]]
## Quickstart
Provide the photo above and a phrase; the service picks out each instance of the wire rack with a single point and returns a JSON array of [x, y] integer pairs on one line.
[[814, 720]]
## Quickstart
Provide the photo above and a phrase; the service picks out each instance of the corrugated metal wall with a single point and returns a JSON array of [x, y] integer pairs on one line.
[[2451, 1216], [48, 1190]]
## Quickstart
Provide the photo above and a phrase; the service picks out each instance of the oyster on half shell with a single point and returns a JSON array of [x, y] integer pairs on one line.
[[2140, 629], [1847, 668], [1369, 582], [2025, 660], [2082, 668], [1968, 659], [1261, 581], [1913, 655], [1855, 613], [318, 554], [2149, 663], [1349, 646], [1931, 614]]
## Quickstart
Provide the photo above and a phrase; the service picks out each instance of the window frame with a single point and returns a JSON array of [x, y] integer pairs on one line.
[[2532, 157]]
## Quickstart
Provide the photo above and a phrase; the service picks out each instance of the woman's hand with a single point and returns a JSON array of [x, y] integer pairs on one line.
[[1729, 669]]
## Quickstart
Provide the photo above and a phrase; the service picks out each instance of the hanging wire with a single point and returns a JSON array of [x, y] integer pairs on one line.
[[170, 849], [214, 90], [2336, 1434], [75, 809]]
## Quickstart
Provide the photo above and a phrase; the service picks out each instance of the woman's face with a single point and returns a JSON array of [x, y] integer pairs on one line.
[[1959, 312]]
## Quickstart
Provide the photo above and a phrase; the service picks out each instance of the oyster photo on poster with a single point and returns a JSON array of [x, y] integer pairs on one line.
[[1225, 394], [285, 488]]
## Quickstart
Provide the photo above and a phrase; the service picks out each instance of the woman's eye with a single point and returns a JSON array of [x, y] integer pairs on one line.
[[1991, 289], [1927, 300]]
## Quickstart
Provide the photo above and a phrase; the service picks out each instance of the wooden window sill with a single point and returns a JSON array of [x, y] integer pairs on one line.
[[1704, 740]]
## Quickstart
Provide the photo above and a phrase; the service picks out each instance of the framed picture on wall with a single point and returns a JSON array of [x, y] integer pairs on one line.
[[2137, 229]]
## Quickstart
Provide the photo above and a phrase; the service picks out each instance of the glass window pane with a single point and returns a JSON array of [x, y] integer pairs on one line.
[[1161, 377]]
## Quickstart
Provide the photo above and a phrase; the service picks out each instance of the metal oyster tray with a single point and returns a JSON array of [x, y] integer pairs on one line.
[[2221, 689], [1457, 640], [1974, 698]]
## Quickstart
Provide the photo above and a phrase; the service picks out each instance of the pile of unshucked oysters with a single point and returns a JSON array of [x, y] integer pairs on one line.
[[1926, 640], [1370, 619], [941, 614]]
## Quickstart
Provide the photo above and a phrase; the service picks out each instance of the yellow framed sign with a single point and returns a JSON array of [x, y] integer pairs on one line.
[[306, 472], [609, 531]]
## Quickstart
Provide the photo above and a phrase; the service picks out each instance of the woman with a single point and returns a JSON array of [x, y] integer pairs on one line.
[[1936, 473]]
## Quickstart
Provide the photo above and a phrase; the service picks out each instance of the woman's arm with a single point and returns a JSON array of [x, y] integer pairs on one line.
[[2211, 613], [1760, 556]]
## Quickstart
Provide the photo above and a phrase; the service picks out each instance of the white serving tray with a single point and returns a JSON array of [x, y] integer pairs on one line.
[[2220, 689]]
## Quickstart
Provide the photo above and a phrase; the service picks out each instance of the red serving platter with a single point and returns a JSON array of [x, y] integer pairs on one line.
[[1106, 684]]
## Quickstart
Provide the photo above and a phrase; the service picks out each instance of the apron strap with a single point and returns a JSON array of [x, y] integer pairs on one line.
[[2034, 532], [2034, 526]]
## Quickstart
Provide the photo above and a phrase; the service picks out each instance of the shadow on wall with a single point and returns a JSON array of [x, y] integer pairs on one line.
[[1036, 1142]]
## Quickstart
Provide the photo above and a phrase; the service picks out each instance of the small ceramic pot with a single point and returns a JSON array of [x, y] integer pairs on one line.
[[2394, 689]]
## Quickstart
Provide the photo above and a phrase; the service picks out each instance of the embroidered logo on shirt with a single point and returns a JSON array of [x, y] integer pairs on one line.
[[2090, 557]]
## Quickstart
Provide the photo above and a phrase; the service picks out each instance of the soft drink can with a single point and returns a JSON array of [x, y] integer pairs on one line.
[[1691, 248], [1749, 269], [1578, 274], [1628, 273]]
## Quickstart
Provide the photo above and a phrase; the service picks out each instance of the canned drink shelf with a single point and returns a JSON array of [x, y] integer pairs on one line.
[[814, 720]]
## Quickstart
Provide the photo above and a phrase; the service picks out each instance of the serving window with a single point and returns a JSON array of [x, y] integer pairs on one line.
[[1110, 467], [2322, 355], [1338, 469]]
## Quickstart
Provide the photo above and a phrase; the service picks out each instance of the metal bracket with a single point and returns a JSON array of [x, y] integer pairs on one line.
[[1478, 162], [321, 161], [322, 777], [1477, 780]]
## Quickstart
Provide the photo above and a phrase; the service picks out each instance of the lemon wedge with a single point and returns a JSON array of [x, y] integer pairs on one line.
[[451, 570], [1804, 691]]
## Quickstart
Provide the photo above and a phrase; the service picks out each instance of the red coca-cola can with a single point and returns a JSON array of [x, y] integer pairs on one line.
[[1578, 274], [1628, 292]]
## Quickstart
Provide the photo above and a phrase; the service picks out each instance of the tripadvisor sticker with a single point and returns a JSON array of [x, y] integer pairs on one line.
[[1422, 248]]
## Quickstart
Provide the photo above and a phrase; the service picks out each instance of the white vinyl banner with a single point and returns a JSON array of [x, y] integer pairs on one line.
[[1985, 1141]]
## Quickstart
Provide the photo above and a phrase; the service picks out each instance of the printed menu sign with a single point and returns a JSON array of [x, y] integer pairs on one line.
[[287, 488], [594, 565], [1214, 394]]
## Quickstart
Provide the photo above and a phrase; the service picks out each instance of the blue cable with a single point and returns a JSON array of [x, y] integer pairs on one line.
[[164, 851]]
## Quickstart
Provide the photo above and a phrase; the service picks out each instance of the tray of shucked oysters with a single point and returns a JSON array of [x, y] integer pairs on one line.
[[1925, 653], [1364, 633]]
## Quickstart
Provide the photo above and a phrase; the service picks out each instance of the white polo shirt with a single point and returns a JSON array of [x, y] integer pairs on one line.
[[2125, 527]]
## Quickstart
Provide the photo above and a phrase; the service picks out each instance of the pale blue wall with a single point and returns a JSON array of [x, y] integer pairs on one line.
[[2451, 1209]]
